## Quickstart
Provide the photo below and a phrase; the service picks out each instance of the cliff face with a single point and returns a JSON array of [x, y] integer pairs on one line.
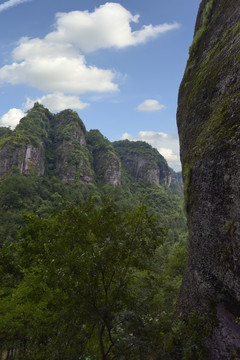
[[106, 164], [26, 157], [25, 147], [144, 163], [209, 129]]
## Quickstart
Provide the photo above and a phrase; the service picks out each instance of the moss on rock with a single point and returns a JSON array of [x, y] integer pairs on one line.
[[209, 129]]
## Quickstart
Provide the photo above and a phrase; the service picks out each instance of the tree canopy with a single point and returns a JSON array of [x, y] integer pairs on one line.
[[70, 283]]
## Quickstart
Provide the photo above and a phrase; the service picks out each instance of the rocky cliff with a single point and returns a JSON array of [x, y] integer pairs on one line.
[[144, 163], [71, 154], [59, 145], [209, 128], [25, 147], [106, 163]]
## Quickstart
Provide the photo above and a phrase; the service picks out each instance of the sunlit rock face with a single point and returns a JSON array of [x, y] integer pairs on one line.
[[25, 157], [209, 129]]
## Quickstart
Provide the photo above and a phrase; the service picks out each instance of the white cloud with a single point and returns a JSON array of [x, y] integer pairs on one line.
[[54, 102], [167, 145], [7, 4], [59, 73], [108, 26], [150, 105], [169, 154], [12, 118], [38, 48], [150, 31], [127, 136], [57, 102], [56, 63]]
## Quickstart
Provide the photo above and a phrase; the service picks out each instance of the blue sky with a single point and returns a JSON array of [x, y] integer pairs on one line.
[[119, 64]]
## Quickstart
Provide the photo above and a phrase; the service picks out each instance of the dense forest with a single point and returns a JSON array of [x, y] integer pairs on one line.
[[93, 246]]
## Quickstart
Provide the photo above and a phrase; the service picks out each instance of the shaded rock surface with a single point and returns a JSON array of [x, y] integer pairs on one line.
[[144, 163], [209, 129], [106, 163]]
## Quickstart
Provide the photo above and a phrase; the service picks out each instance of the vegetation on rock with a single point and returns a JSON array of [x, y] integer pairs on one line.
[[208, 122]]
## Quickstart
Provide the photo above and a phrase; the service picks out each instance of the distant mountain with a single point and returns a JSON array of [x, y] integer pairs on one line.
[[50, 157], [44, 142]]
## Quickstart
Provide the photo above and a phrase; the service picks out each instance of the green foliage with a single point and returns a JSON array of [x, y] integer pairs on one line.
[[205, 18], [196, 39], [73, 296], [97, 142], [140, 148], [5, 131], [73, 159], [104, 156], [87, 279], [144, 322], [32, 129], [186, 338], [17, 193], [37, 122], [68, 123]]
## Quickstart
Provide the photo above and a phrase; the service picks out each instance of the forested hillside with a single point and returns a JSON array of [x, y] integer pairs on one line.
[[48, 158], [93, 245]]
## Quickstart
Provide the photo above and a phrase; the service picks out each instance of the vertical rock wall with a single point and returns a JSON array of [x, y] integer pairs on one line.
[[25, 157], [209, 128]]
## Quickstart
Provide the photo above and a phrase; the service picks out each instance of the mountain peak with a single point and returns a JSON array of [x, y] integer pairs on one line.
[[59, 143]]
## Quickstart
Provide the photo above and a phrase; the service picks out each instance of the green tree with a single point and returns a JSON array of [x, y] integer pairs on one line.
[[74, 296]]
